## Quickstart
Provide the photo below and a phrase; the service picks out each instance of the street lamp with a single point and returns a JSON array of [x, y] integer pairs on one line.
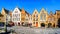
[[6, 24]]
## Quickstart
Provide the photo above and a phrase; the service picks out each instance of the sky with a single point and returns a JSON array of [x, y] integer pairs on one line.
[[30, 5]]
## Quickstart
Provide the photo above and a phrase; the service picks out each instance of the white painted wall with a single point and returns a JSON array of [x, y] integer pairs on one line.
[[16, 15]]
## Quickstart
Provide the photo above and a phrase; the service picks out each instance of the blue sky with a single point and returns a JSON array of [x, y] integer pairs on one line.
[[30, 5]]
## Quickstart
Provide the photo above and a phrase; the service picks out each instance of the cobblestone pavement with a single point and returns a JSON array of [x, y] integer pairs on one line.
[[28, 30]]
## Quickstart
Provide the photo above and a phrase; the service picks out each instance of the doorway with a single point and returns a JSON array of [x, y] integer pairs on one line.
[[18, 24], [42, 24], [54, 25], [59, 22], [49, 25]]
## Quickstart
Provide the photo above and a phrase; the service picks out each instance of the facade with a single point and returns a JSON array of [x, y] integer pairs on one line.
[[5, 14], [16, 16], [24, 17], [10, 13], [1, 18], [21, 17], [35, 19], [51, 20], [23, 14], [57, 18], [11, 23], [43, 18], [28, 20]]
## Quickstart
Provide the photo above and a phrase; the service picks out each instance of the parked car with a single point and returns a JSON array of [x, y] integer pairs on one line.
[[1, 24], [2, 29], [10, 24]]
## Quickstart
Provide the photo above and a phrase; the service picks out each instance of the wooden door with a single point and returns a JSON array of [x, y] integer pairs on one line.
[[36, 24]]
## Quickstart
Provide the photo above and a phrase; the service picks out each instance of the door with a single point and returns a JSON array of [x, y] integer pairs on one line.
[[54, 25], [59, 22], [18, 24], [36, 24]]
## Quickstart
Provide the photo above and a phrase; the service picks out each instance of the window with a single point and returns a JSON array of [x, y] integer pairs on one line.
[[57, 14], [36, 19], [36, 15], [16, 19], [50, 19], [41, 17], [33, 19], [44, 17], [13, 15], [26, 19], [19, 15], [33, 22], [22, 14], [13, 19], [16, 14], [19, 19]]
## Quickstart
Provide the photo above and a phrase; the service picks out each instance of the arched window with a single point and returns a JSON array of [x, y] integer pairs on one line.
[[33, 22]]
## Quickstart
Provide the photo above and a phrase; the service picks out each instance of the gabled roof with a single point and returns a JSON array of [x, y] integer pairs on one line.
[[43, 11], [51, 12], [16, 9], [6, 11], [35, 11], [24, 11], [55, 13], [57, 10], [20, 9]]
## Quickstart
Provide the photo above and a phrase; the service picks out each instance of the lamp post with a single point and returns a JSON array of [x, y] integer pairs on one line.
[[6, 24]]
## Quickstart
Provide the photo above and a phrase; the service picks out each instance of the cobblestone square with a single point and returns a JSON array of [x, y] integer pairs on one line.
[[28, 30]]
